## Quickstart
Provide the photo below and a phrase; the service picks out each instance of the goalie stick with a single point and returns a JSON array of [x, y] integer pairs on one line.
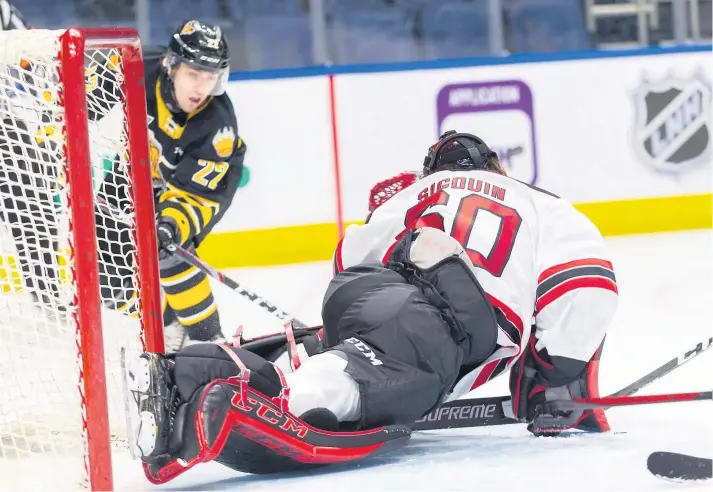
[[479, 412], [676, 466]]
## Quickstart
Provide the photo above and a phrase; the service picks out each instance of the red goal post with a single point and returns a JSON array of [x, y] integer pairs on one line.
[[77, 177], [74, 42]]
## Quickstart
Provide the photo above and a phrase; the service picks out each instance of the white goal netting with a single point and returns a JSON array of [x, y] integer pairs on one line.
[[42, 394]]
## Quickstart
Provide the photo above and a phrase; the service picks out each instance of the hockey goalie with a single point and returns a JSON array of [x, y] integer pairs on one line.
[[455, 278]]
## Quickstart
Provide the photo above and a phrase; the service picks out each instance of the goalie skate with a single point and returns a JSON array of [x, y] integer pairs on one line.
[[149, 403]]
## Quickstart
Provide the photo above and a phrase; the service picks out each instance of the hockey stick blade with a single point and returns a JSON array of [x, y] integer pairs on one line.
[[201, 265], [675, 466]]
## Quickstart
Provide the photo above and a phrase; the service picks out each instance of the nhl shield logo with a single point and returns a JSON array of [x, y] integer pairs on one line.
[[672, 130]]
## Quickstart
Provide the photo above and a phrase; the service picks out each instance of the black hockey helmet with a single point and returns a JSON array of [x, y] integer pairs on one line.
[[458, 151], [203, 47]]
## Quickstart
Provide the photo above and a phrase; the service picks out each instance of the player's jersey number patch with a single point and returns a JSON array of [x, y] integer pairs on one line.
[[210, 173], [478, 220]]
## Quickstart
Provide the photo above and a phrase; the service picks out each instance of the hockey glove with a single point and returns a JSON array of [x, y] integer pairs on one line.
[[382, 191], [536, 386], [166, 236]]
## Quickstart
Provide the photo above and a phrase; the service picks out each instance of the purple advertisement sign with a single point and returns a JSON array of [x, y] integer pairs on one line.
[[501, 113]]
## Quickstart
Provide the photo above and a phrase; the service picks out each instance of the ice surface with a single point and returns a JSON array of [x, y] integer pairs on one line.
[[666, 306]]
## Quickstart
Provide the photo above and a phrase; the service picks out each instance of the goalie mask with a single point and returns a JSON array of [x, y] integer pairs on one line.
[[459, 151], [201, 46]]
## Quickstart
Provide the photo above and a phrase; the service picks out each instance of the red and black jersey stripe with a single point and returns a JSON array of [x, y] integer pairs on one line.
[[511, 324], [556, 281], [508, 320], [337, 265]]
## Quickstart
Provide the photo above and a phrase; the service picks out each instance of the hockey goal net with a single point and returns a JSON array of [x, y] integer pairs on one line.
[[78, 267]]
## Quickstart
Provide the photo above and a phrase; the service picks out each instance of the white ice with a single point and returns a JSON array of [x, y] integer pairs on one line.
[[666, 306]]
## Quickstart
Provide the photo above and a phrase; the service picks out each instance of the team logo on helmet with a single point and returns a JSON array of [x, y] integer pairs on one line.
[[672, 130], [213, 37], [224, 141], [190, 27]]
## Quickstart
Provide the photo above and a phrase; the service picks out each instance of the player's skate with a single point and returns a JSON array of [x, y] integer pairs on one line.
[[151, 400], [174, 337]]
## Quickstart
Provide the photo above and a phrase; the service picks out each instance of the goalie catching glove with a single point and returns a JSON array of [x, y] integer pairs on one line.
[[382, 191]]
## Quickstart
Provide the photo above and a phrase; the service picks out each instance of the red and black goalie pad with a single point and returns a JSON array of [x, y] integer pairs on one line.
[[249, 432]]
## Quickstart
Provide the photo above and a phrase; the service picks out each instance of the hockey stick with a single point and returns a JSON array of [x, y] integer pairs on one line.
[[559, 421], [620, 401], [676, 466], [665, 368], [201, 265], [479, 412], [468, 412]]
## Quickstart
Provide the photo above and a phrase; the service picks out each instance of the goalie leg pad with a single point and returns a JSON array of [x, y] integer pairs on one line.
[[239, 452], [229, 421], [275, 347], [205, 435], [199, 364], [246, 431], [197, 368]]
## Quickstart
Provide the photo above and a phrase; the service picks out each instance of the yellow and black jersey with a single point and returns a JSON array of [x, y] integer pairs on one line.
[[197, 159]]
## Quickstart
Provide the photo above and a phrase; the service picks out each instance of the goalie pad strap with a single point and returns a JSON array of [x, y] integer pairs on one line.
[[243, 378]]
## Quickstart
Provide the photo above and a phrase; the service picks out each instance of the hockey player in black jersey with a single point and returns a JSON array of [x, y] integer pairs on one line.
[[197, 157]]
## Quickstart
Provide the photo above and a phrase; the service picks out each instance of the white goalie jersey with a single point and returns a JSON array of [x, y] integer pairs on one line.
[[541, 262]]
